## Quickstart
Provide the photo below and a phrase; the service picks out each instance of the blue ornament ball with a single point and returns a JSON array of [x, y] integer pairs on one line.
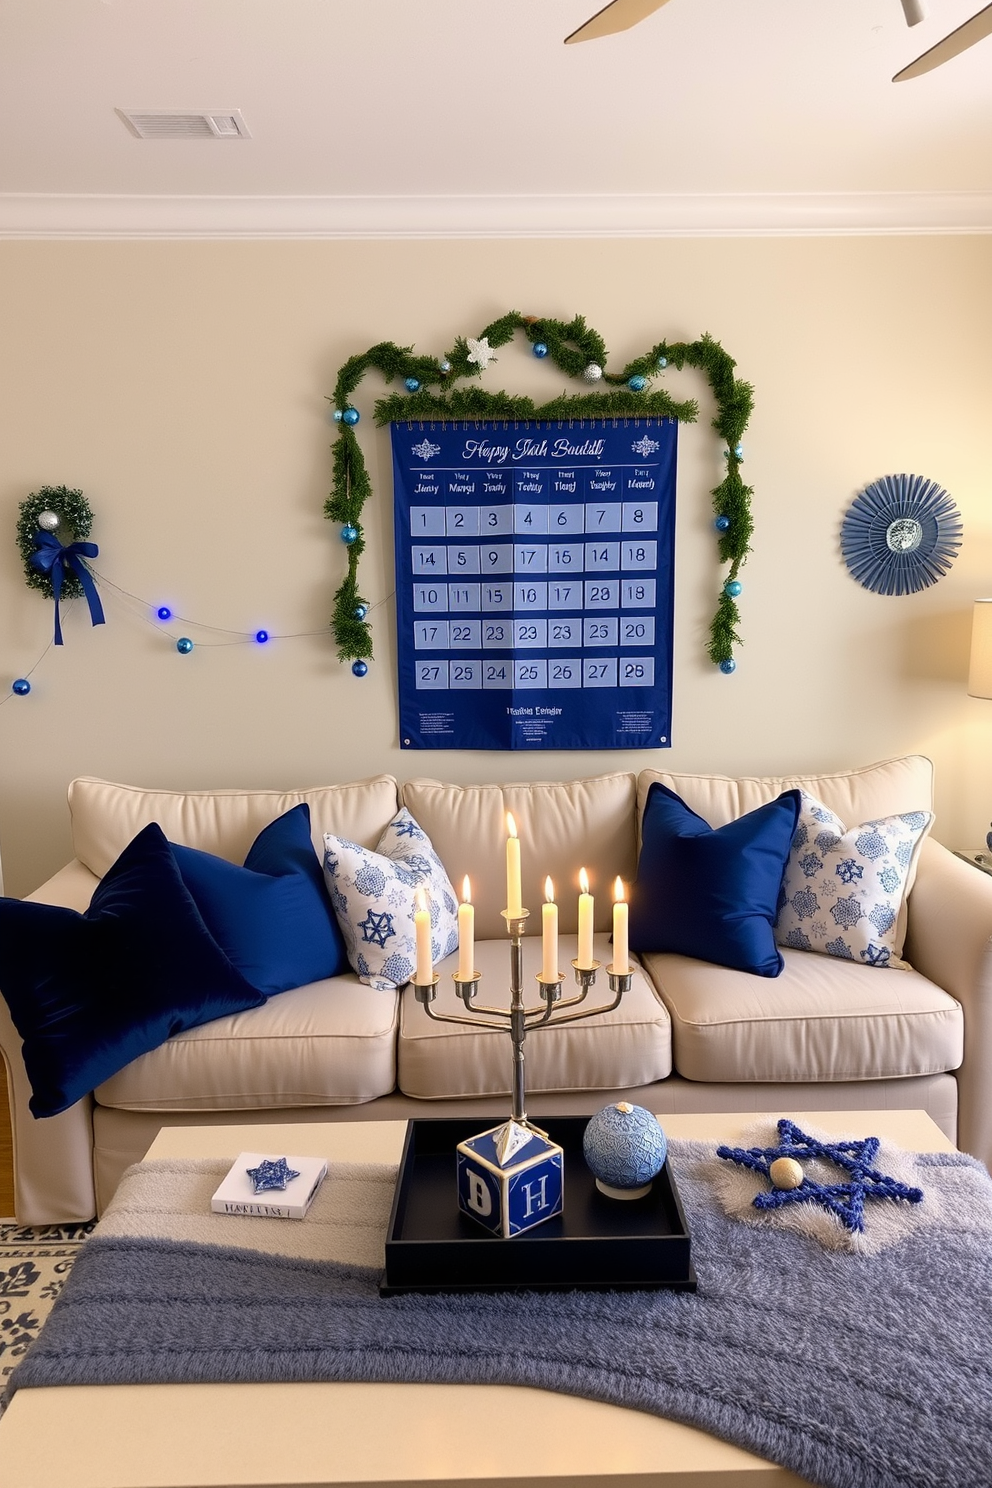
[[637, 384], [351, 416], [359, 668], [22, 687], [349, 534], [624, 1148], [445, 366], [361, 611], [734, 588], [184, 645], [412, 384], [722, 524], [338, 415], [739, 451], [728, 666], [163, 612], [540, 349], [261, 636], [662, 361]]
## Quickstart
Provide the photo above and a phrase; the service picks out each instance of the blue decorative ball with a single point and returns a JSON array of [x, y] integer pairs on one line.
[[540, 350], [163, 612], [734, 588], [624, 1148], [261, 636], [361, 610], [338, 415], [728, 666], [351, 416], [739, 451], [412, 384], [662, 361], [184, 645], [445, 366], [359, 668], [637, 384], [349, 534], [22, 687], [722, 524]]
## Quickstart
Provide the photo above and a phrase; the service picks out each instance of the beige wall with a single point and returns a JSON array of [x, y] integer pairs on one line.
[[182, 386]]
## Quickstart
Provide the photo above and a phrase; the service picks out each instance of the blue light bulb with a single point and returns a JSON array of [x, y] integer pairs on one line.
[[163, 612], [261, 636]]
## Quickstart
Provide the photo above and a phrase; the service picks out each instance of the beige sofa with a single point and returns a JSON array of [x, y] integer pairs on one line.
[[690, 1036]]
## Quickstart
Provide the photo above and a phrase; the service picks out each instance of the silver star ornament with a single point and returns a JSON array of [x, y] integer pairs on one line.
[[480, 352]]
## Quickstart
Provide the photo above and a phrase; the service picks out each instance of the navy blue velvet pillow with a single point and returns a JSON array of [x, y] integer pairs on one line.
[[90, 992], [272, 917], [712, 894]]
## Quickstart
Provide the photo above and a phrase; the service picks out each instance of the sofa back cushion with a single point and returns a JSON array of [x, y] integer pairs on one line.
[[105, 817], [855, 795], [563, 826]]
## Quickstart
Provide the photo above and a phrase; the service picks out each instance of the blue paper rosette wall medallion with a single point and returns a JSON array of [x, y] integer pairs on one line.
[[901, 534]]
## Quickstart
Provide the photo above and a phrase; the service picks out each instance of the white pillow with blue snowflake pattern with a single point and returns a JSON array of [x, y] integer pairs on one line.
[[844, 891], [373, 898]]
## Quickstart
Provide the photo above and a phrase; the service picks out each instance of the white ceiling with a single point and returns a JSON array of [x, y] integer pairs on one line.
[[471, 116]]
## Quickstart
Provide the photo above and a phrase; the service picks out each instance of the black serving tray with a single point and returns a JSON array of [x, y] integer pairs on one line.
[[596, 1243]]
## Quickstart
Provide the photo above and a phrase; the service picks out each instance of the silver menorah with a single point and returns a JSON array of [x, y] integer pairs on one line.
[[518, 1018]]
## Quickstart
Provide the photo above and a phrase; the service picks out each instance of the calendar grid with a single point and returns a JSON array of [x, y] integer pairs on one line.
[[534, 583]]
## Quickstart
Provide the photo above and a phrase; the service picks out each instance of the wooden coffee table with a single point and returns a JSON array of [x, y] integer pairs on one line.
[[381, 1436]]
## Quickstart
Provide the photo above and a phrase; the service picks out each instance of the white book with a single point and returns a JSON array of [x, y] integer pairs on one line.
[[237, 1195]]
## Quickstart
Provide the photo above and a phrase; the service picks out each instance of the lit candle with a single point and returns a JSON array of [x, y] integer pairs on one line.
[[422, 927], [585, 957], [514, 903], [466, 934], [549, 931], [621, 957]]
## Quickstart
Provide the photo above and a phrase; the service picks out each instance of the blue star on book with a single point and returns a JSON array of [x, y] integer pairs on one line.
[[377, 928], [271, 1173], [846, 1201]]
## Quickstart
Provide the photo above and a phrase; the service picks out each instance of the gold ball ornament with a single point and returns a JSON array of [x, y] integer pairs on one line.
[[785, 1172]]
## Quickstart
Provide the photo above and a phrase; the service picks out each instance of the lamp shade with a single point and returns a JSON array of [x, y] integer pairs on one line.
[[980, 672]]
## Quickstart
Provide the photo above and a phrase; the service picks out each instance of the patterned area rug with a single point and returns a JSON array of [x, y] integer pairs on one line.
[[34, 1264]]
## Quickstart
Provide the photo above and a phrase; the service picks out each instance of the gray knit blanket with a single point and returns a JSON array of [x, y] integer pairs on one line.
[[852, 1370]]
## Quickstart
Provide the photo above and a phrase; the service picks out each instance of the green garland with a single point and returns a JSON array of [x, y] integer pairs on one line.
[[74, 513], [572, 347]]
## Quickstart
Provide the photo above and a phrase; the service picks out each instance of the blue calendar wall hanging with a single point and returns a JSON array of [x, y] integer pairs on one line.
[[535, 583]]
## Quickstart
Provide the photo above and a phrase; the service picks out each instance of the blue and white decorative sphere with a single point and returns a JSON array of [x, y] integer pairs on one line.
[[338, 415], [733, 588], [662, 361], [184, 645], [722, 524], [624, 1148], [728, 666], [637, 383], [21, 687], [361, 610], [359, 668], [445, 366], [349, 534], [738, 452], [540, 350], [412, 384], [351, 416]]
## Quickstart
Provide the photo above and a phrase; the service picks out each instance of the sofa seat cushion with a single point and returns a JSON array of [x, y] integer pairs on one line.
[[330, 1043], [627, 1047], [823, 1019]]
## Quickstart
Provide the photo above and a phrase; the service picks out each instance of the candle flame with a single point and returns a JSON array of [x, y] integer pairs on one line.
[[511, 825], [549, 891], [583, 881], [619, 892], [466, 891]]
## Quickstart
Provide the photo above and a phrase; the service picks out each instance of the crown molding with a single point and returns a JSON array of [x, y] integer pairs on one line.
[[780, 214]]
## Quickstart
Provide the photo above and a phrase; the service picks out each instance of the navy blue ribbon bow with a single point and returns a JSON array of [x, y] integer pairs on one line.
[[54, 559]]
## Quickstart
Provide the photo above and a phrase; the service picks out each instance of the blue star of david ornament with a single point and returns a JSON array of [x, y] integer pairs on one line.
[[271, 1174], [846, 1201]]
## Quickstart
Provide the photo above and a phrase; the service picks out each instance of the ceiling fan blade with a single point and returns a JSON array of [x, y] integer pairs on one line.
[[619, 15], [958, 41]]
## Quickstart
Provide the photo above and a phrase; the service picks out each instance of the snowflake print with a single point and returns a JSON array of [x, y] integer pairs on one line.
[[846, 912], [797, 941], [875, 955], [839, 948], [801, 836], [821, 814], [871, 844], [370, 881], [805, 904], [645, 446], [819, 929], [904, 853], [425, 450], [915, 819], [883, 918], [377, 928], [848, 869], [889, 879], [810, 864]]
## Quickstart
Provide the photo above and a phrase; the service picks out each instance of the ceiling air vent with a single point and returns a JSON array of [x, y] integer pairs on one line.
[[168, 124]]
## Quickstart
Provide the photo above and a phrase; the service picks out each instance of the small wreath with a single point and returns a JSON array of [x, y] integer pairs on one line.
[[901, 534], [75, 521]]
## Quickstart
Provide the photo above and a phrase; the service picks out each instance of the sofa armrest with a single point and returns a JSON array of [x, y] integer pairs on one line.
[[53, 1157], [949, 940]]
